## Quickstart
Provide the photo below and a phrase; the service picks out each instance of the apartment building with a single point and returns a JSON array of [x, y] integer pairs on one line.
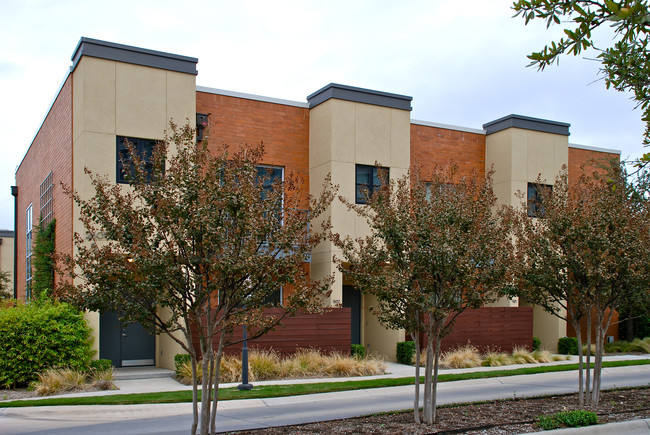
[[114, 91]]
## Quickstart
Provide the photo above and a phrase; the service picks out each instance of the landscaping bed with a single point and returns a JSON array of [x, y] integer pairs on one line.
[[495, 417]]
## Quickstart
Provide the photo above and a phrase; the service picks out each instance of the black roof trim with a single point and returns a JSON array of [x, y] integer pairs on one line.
[[7, 233], [527, 123], [359, 95], [138, 56]]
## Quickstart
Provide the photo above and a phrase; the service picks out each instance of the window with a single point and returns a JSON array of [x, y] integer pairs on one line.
[[144, 148], [368, 180], [268, 175], [275, 298], [535, 198], [46, 190], [28, 252], [201, 125]]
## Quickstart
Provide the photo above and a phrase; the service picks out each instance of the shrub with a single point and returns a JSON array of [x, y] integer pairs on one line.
[[537, 344], [577, 418], [568, 345], [101, 365], [405, 352], [358, 351], [39, 336], [462, 357], [179, 360]]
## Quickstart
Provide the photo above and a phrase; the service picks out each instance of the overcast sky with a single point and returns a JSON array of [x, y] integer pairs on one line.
[[464, 63]]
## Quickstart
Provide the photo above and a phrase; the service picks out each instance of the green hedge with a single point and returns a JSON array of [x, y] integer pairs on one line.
[[537, 344], [567, 346], [38, 336], [405, 352]]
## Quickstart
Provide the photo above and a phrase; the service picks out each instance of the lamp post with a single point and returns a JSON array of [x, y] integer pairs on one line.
[[244, 364]]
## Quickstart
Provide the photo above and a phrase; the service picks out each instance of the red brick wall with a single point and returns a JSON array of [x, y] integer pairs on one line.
[[431, 146], [611, 331], [51, 150], [579, 158], [283, 129]]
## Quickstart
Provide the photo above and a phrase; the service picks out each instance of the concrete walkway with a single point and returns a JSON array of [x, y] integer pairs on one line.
[[260, 413]]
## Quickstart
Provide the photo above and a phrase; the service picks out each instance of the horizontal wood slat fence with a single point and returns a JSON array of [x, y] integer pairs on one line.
[[328, 332], [494, 328]]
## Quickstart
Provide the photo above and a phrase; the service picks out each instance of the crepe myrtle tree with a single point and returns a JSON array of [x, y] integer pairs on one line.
[[585, 256], [195, 246], [438, 245], [625, 62]]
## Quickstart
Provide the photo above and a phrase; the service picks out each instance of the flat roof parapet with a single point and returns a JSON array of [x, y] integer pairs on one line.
[[134, 55], [527, 123], [359, 95]]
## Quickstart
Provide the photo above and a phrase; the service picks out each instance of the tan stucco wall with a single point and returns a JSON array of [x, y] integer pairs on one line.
[[7, 260], [117, 99], [518, 157], [341, 135]]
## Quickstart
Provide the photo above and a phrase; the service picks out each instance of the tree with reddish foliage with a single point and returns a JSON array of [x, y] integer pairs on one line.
[[438, 246], [585, 256], [196, 246]]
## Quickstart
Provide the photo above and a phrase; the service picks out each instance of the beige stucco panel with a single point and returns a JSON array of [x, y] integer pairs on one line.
[[498, 156], [141, 101], [94, 99], [373, 134], [181, 98], [320, 135], [343, 130], [400, 137], [92, 319], [7, 260], [375, 336]]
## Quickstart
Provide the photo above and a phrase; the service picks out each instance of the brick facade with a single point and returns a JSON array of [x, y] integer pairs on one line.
[[435, 146], [51, 150]]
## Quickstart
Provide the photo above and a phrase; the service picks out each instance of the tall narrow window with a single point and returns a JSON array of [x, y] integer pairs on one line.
[[536, 193], [47, 206], [28, 252], [144, 149], [368, 180], [268, 175]]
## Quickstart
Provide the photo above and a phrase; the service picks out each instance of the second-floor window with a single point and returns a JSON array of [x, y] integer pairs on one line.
[[144, 149], [535, 196], [368, 180]]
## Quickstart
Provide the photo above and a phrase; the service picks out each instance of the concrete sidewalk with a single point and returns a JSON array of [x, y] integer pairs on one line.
[[260, 413]]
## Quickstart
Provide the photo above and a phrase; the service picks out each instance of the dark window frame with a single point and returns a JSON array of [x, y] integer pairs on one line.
[[534, 207], [144, 147], [373, 185]]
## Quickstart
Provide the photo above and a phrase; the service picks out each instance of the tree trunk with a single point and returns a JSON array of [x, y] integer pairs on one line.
[[195, 397], [434, 384], [588, 362], [427, 411], [217, 378], [581, 388], [416, 401]]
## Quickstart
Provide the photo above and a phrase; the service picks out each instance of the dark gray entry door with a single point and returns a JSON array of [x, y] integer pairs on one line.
[[352, 300], [125, 345]]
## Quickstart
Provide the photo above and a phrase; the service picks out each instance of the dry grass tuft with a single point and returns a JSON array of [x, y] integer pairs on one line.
[[267, 364], [53, 381], [521, 355], [497, 359], [462, 357]]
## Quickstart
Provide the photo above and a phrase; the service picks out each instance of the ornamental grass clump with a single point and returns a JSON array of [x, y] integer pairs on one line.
[[462, 357], [267, 365], [521, 355], [497, 359]]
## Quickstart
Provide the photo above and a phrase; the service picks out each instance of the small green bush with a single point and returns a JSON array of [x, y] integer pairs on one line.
[[181, 359], [537, 344], [567, 345], [577, 418], [101, 365], [405, 352], [358, 351], [39, 336]]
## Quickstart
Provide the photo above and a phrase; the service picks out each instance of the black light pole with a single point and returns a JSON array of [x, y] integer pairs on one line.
[[244, 364]]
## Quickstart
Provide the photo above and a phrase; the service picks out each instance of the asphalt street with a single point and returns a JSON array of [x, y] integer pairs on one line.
[[259, 413]]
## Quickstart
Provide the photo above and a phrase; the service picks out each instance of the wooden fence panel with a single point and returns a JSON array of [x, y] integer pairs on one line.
[[328, 332]]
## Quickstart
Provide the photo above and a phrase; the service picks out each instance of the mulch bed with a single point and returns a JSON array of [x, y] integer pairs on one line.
[[497, 417]]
